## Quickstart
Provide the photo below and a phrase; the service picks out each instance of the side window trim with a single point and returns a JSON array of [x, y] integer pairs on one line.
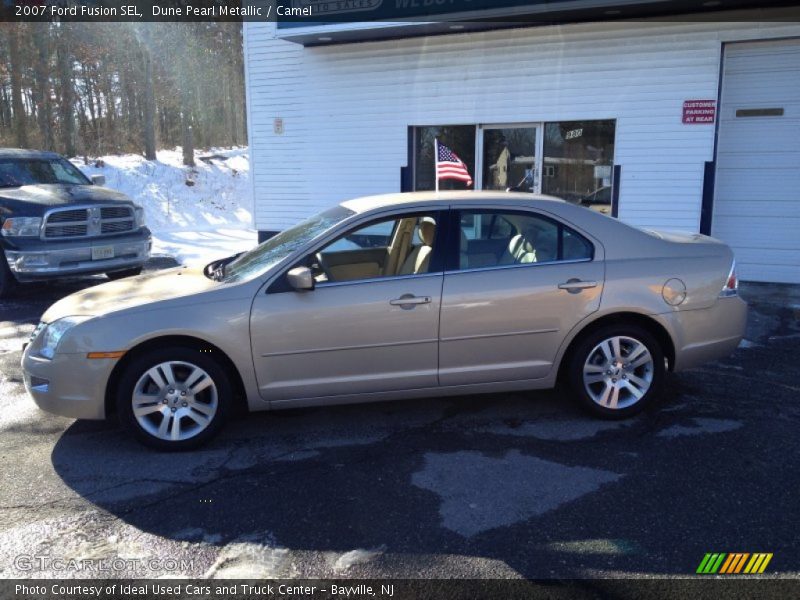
[[454, 226], [518, 266]]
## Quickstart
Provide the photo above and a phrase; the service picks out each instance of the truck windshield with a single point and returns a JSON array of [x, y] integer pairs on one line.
[[15, 172], [263, 257]]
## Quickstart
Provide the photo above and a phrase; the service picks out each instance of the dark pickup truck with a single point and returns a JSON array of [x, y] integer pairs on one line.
[[55, 222]]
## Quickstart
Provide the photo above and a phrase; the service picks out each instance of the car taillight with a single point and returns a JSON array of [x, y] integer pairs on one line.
[[731, 287]]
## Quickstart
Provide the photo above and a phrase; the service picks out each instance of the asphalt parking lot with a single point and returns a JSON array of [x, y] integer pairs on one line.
[[512, 485]]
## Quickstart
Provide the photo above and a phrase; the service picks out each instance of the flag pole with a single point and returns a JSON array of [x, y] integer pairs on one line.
[[436, 162]]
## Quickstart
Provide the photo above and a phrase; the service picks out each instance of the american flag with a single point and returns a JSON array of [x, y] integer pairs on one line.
[[449, 166]]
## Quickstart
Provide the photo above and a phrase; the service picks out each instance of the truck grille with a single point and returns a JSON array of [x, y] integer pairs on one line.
[[65, 231], [94, 221]]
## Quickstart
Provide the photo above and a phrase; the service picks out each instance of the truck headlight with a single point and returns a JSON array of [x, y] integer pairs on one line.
[[21, 227], [51, 334], [139, 215]]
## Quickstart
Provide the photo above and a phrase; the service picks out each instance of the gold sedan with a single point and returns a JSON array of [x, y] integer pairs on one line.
[[395, 296]]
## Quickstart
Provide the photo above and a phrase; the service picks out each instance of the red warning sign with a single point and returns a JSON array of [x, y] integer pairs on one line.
[[699, 112]]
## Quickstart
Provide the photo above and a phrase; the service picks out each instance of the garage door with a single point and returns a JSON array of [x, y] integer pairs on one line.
[[757, 201]]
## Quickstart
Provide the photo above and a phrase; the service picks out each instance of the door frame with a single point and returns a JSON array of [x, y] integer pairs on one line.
[[539, 150]]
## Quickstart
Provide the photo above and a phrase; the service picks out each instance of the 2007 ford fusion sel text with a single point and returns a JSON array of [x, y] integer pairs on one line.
[[387, 297]]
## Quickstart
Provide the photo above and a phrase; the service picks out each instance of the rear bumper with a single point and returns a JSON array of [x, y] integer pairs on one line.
[[42, 260], [708, 334]]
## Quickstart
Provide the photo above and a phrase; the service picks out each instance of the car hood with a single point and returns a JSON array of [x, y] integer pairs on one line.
[[34, 200], [132, 292]]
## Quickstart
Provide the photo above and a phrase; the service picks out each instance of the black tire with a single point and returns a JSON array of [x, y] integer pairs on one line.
[[7, 281], [135, 374], [114, 275], [613, 376]]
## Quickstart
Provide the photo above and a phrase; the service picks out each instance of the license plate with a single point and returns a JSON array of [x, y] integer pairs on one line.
[[102, 252]]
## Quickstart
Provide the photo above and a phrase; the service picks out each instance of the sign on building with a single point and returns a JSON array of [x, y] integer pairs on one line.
[[699, 112]]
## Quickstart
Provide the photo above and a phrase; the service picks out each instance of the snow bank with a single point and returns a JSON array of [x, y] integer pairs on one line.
[[196, 223]]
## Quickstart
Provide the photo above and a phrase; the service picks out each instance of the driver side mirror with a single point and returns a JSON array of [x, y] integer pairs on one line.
[[301, 279], [98, 179]]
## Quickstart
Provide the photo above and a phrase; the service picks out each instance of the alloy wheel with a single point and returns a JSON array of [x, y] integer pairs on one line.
[[618, 372], [175, 400]]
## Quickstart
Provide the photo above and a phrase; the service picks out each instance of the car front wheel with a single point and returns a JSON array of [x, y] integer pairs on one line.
[[616, 371], [174, 398]]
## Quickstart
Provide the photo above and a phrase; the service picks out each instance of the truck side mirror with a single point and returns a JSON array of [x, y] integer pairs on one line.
[[98, 179]]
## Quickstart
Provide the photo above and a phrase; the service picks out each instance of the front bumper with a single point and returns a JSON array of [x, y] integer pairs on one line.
[[48, 260], [70, 385]]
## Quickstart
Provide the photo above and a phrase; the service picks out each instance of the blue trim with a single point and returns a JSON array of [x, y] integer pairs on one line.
[[616, 182]]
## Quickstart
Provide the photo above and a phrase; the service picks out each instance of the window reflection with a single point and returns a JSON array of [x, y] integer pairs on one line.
[[509, 159], [578, 161]]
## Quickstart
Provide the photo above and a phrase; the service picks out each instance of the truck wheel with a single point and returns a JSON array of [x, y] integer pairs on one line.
[[175, 398], [114, 275], [7, 281]]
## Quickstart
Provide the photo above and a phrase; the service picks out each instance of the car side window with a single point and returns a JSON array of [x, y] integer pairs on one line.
[[575, 246], [517, 238], [397, 246], [372, 236]]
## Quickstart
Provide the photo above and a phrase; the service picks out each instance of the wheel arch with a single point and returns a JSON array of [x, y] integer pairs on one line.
[[621, 318], [185, 341]]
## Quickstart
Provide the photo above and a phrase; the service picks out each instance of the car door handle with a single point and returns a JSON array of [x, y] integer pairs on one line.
[[573, 286], [409, 300]]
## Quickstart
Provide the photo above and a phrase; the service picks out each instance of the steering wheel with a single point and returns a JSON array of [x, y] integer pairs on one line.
[[323, 266]]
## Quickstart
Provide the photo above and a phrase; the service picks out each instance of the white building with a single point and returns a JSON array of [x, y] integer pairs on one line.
[[588, 111]]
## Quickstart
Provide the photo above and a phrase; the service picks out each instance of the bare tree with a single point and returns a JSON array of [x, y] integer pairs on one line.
[[43, 91], [94, 88], [20, 126], [66, 88]]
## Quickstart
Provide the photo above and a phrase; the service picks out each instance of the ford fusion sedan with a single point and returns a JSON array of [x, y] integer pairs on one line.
[[388, 297]]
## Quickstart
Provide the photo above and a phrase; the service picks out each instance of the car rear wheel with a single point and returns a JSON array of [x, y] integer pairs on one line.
[[114, 275], [174, 398], [617, 371]]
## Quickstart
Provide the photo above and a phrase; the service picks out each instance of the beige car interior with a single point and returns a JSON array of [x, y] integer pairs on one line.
[[531, 240], [408, 253], [418, 259]]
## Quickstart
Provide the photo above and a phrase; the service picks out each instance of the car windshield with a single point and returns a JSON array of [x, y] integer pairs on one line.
[[263, 257], [16, 172]]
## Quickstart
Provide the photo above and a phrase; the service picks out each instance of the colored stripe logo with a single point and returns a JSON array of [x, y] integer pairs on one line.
[[735, 563]]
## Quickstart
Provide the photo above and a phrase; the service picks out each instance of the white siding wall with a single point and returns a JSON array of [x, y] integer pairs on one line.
[[347, 108]]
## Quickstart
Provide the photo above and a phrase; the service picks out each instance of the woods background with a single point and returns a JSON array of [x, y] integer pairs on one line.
[[88, 89]]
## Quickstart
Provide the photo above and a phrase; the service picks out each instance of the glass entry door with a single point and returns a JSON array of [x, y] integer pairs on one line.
[[511, 158]]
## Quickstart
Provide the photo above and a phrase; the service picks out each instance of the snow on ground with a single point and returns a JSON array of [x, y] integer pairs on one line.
[[193, 223]]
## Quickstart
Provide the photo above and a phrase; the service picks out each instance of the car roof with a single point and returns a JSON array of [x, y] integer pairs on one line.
[[22, 153], [368, 203]]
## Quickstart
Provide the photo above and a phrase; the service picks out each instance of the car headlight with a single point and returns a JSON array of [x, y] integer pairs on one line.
[[51, 334], [139, 215], [22, 227]]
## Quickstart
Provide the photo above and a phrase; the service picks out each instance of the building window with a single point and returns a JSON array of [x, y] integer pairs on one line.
[[573, 160], [509, 158], [459, 138], [578, 160]]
